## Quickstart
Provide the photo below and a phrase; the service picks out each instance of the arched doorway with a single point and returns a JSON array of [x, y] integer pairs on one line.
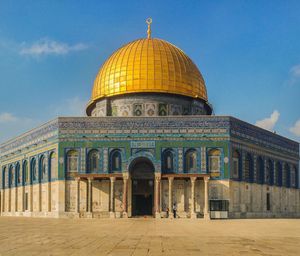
[[142, 175]]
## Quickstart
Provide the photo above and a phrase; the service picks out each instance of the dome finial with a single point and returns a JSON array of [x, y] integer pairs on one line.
[[149, 21]]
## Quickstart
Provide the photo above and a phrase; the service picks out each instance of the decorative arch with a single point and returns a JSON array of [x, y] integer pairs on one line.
[[269, 172], [72, 165], [286, 176], [260, 170], [25, 173], [4, 177], [293, 175], [214, 161], [278, 174], [142, 173], [248, 168], [33, 171], [236, 159], [115, 161], [143, 154], [168, 158], [18, 174], [11, 176], [42, 168], [52, 164], [93, 160], [190, 161], [297, 177], [144, 167]]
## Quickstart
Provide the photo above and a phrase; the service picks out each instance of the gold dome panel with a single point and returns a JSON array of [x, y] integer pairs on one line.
[[148, 65]]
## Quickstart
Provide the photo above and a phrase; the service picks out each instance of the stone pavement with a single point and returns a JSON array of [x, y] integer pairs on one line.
[[34, 236]]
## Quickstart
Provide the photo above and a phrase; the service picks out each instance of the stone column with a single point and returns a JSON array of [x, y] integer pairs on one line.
[[157, 195], [9, 199], [49, 196], [125, 192], [40, 196], [77, 196], [206, 212], [23, 198], [2, 200], [16, 198], [31, 198], [193, 213], [171, 197], [112, 197], [90, 199], [48, 201], [39, 184]]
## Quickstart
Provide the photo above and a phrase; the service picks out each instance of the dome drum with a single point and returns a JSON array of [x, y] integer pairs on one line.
[[149, 105]]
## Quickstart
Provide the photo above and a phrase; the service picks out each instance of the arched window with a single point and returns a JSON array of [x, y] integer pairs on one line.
[[3, 177], [248, 169], [236, 159], [25, 172], [168, 161], [286, 176], [18, 174], [278, 174], [93, 161], [72, 161], [43, 170], [293, 177], [11, 177], [115, 161], [190, 161], [214, 161], [260, 171], [33, 170], [269, 172], [52, 165]]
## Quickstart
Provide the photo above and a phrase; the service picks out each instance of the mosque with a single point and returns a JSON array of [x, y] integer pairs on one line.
[[149, 141]]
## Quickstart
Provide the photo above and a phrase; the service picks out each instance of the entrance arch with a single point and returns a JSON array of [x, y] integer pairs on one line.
[[142, 196]]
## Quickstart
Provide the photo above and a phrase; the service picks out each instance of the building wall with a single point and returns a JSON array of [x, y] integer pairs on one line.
[[246, 200], [144, 137], [40, 197], [249, 200]]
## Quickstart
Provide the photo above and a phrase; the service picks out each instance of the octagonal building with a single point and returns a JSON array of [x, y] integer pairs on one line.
[[149, 145]]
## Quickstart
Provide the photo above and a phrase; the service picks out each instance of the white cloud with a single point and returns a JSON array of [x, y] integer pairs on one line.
[[269, 122], [294, 75], [295, 71], [50, 47], [295, 129], [7, 118]]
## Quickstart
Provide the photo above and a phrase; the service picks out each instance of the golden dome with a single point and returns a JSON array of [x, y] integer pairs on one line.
[[148, 65]]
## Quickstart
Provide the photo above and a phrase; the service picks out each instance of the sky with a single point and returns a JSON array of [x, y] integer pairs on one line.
[[247, 51]]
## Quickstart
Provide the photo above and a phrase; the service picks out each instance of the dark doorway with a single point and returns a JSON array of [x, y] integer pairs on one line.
[[268, 202], [142, 174]]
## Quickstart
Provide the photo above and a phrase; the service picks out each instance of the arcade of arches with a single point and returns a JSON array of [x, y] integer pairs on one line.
[[141, 192]]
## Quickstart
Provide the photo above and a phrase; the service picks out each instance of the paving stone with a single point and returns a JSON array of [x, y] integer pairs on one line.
[[36, 236]]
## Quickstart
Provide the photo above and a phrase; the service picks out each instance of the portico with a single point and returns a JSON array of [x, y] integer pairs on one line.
[[137, 198]]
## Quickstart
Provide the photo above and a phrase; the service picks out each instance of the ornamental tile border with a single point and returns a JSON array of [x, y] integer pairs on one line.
[[171, 125]]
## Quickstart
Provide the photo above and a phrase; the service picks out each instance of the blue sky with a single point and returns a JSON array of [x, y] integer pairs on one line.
[[247, 51]]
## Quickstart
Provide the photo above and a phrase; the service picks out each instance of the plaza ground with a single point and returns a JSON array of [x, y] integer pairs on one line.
[[147, 236]]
